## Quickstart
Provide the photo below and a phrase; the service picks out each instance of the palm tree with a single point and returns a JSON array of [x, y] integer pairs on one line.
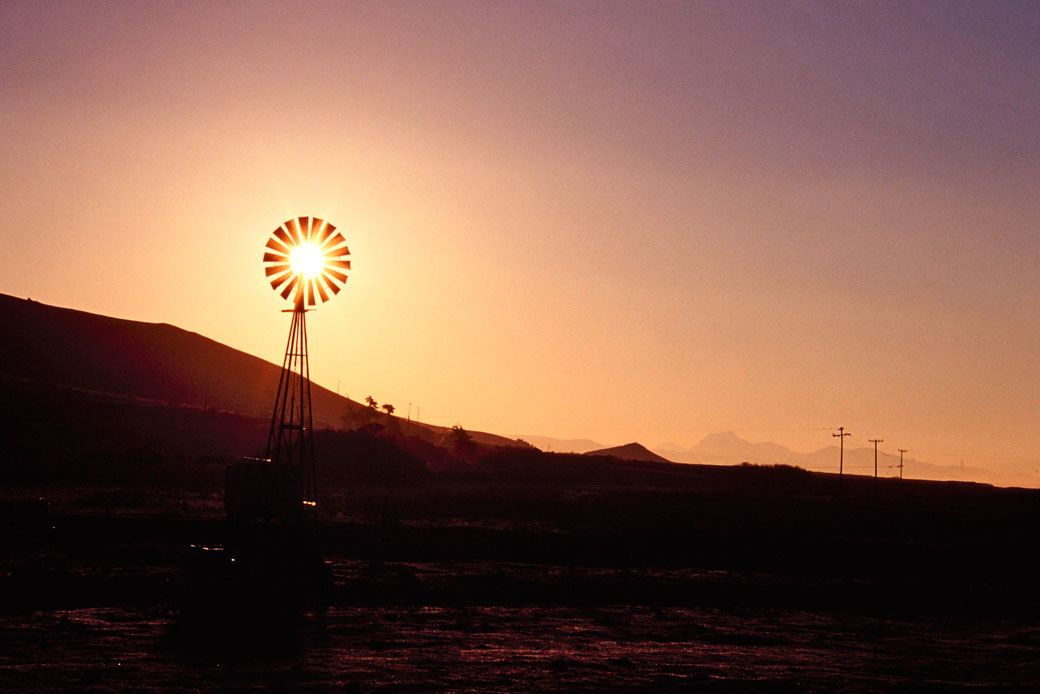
[[371, 402], [388, 408], [460, 436], [464, 446]]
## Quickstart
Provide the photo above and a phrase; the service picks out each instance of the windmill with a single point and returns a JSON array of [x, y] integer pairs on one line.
[[306, 261]]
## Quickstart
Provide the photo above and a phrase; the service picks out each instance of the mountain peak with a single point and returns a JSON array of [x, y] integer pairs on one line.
[[728, 444], [723, 437]]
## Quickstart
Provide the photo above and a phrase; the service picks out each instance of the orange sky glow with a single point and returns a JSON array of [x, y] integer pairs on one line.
[[617, 221]]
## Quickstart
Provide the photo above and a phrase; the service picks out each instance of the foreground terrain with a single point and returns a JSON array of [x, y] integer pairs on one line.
[[529, 571]]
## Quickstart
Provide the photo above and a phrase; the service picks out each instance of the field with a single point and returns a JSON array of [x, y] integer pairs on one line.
[[564, 577]]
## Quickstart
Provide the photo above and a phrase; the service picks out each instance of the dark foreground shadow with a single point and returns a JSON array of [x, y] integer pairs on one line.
[[251, 601]]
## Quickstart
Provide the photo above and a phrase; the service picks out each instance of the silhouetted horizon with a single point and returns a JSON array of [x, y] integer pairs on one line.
[[166, 365]]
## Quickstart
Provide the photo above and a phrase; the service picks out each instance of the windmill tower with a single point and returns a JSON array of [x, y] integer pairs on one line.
[[303, 256], [306, 261]]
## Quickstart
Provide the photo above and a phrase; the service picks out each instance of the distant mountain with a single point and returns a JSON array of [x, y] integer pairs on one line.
[[729, 449], [160, 365], [729, 444], [561, 445], [631, 451]]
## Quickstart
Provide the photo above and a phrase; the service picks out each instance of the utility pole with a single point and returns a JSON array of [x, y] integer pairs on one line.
[[841, 454], [901, 452], [875, 442]]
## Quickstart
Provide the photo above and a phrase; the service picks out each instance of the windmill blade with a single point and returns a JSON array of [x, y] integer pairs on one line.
[[278, 281], [315, 228], [289, 287], [305, 229], [310, 293], [284, 238], [336, 240], [326, 232], [341, 252], [281, 278], [345, 264], [338, 275], [275, 246], [333, 287], [275, 258], [293, 231], [335, 247], [321, 291], [275, 269]]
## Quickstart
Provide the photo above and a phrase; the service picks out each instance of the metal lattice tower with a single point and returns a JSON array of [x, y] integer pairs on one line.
[[289, 440]]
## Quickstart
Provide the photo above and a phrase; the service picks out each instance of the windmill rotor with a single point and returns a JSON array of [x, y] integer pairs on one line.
[[308, 260]]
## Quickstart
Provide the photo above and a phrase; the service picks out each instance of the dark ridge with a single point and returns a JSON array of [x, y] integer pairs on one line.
[[631, 451]]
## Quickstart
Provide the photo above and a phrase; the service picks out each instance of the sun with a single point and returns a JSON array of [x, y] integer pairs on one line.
[[307, 260]]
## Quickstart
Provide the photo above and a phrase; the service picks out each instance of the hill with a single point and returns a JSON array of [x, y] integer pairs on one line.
[[159, 365], [150, 361], [630, 451], [549, 444]]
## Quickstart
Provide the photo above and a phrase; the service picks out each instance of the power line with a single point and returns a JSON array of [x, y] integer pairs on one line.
[[763, 431], [983, 456]]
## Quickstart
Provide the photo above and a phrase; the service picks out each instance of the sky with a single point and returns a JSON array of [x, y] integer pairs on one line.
[[624, 221]]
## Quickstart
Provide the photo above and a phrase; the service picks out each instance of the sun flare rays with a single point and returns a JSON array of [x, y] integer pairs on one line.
[[309, 257]]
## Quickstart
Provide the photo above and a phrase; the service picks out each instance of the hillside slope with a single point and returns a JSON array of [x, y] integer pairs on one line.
[[159, 364]]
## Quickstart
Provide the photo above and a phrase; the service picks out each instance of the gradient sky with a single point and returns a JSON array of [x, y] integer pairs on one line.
[[622, 221]]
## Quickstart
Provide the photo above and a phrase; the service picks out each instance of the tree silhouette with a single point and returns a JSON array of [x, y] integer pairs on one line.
[[388, 408], [371, 402], [463, 442], [460, 436]]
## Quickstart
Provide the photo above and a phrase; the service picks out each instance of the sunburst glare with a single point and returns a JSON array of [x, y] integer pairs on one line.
[[307, 260]]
